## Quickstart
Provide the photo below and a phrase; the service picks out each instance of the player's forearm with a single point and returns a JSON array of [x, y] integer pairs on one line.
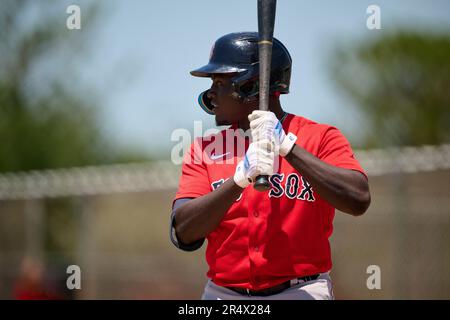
[[346, 190], [200, 216]]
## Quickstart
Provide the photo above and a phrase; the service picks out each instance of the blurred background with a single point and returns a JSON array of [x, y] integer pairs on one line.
[[86, 118]]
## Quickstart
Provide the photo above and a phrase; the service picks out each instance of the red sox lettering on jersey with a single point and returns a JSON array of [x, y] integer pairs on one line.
[[269, 237]]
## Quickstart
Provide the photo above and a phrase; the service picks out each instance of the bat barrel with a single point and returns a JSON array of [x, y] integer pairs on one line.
[[266, 23], [266, 18]]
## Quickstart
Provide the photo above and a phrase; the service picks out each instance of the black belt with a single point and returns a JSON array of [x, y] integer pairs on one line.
[[272, 290]]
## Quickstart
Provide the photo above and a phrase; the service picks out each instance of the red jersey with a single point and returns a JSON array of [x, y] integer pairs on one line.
[[266, 238]]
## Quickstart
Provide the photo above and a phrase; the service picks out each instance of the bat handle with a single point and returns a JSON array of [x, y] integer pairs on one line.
[[262, 183]]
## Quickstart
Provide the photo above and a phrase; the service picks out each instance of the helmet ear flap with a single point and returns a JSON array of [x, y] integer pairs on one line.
[[205, 102]]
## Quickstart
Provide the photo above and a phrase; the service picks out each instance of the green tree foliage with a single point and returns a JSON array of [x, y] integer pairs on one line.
[[47, 118], [401, 83], [43, 124]]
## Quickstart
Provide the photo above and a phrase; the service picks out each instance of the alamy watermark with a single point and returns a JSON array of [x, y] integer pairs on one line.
[[73, 21], [211, 146], [374, 280], [373, 21], [74, 279]]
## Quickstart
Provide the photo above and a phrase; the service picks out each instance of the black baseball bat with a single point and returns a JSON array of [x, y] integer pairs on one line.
[[266, 23]]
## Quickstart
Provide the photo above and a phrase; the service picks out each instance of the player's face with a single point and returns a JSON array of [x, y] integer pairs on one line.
[[227, 108]]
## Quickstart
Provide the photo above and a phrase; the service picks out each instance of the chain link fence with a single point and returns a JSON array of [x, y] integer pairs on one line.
[[113, 222]]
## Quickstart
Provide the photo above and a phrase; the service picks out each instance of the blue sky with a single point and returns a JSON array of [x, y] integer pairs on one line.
[[142, 52]]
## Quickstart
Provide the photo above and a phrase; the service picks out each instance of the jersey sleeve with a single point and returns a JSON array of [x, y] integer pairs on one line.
[[173, 234], [194, 180], [335, 149]]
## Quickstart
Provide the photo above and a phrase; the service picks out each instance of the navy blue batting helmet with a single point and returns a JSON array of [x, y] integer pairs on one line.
[[238, 53]]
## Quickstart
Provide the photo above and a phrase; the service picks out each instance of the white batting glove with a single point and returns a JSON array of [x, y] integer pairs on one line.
[[258, 160], [264, 125]]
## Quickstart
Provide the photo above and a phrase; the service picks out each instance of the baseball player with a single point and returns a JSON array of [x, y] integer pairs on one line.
[[272, 244]]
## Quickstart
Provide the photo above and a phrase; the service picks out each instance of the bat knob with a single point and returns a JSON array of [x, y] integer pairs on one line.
[[262, 183]]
